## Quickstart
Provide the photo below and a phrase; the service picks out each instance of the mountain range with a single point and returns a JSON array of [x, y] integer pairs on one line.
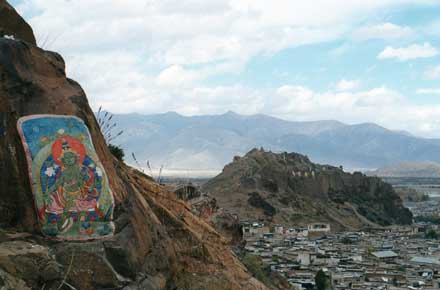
[[425, 169], [209, 142]]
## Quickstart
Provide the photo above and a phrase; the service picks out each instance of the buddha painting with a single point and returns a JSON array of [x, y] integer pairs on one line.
[[71, 190]]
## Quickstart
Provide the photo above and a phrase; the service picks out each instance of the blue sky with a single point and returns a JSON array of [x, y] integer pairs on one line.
[[354, 61]]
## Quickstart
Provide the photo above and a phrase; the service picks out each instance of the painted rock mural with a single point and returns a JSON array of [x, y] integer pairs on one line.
[[70, 188]]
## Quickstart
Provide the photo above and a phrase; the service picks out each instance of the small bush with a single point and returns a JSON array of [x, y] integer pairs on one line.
[[256, 200], [117, 151], [323, 281], [432, 235], [255, 265]]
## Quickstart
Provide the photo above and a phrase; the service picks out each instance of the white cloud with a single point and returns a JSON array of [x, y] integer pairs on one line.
[[413, 51], [176, 75], [341, 49], [347, 85], [151, 56], [349, 106], [167, 32], [432, 73], [381, 105], [385, 31], [170, 33], [428, 91]]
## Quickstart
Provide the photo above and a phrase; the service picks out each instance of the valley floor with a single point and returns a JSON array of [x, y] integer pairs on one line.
[[393, 258]]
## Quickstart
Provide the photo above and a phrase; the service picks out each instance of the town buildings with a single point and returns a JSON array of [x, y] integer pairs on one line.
[[393, 258]]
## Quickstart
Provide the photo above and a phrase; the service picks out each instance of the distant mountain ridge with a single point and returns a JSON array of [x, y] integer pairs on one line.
[[211, 141], [425, 169]]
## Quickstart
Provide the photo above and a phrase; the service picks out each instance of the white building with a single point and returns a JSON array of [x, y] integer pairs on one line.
[[318, 228]]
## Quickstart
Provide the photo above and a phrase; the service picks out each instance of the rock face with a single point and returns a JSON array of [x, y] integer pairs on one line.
[[158, 243], [13, 25], [288, 188]]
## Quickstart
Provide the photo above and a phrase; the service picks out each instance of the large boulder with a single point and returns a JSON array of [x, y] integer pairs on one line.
[[11, 24], [158, 243]]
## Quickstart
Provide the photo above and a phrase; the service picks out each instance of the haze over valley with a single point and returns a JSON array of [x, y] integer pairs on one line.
[[202, 145]]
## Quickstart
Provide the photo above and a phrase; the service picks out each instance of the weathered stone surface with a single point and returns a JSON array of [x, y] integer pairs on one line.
[[117, 256], [158, 241], [16, 205], [8, 281], [86, 266], [30, 263], [157, 282], [12, 24]]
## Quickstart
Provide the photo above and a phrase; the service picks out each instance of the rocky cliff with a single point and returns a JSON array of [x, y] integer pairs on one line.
[[288, 188], [12, 25], [158, 243]]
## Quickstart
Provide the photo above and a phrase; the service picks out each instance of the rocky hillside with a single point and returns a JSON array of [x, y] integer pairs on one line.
[[288, 188], [158, 243]]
